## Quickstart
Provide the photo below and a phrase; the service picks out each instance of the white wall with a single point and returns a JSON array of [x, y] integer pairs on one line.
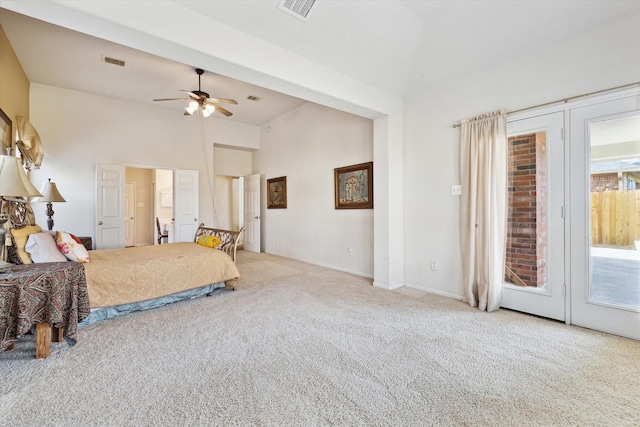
[[305, 145], [79, 130], [223, 201], [608, 56]]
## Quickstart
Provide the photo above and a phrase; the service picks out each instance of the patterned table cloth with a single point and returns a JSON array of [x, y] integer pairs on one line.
[[54, 292]]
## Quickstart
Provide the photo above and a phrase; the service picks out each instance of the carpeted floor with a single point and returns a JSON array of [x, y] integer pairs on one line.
[[297, 344]]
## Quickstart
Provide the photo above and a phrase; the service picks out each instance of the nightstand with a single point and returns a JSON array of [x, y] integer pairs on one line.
[[86, 241]]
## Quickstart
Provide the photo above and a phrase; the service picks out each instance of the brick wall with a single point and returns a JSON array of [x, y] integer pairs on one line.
[[527, 213], [604, 182]]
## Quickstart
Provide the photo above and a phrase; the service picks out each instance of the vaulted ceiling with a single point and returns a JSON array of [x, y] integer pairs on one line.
[[400, 47]]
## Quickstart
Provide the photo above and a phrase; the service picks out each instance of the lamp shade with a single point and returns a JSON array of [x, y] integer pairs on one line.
[[14, 181], [50, 193]]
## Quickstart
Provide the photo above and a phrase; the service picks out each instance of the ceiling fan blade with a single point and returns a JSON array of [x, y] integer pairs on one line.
[[173, 99], [223, 101], [221, 110]]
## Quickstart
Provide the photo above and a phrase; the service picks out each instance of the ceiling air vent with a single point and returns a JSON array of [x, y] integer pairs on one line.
[[113, 61], [253, 98], [298, 8]]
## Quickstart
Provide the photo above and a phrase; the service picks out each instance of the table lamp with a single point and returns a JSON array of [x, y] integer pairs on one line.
[[50, 194], [14, 182]]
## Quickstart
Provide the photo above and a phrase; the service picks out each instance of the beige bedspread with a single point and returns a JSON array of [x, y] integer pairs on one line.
[[121, 276]]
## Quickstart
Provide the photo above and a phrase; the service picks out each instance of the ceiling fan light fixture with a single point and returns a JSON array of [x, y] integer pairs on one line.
[[207, 110], [191, 108], [201, 100]]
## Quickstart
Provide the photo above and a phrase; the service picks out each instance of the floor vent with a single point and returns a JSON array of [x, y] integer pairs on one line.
[[298, 8], [113, 61]]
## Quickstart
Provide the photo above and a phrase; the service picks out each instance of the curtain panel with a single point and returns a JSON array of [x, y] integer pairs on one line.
[[483, 213]]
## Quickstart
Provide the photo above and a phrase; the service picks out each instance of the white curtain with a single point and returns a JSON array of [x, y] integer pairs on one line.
[[483, 170]]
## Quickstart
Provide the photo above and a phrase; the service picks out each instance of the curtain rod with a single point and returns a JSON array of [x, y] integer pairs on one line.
[[565, 100]]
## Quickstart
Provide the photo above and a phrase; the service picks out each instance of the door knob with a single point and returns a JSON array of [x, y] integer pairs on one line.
[[100, 223]]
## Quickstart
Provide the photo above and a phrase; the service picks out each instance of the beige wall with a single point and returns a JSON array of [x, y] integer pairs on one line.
[[14, 85]]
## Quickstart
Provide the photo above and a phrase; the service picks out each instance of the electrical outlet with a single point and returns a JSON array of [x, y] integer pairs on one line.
[[434, 264], [456, 190], [349, 251]]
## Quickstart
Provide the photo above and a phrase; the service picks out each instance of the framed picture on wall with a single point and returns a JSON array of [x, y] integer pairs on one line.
[[5, 132], [277, 193], [354, 186]]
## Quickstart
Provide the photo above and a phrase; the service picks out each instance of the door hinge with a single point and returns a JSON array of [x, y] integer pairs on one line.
[[564, 290], [562, 133], [563, 213]]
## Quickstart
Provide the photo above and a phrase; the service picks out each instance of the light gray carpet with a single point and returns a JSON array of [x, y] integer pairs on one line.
[[301, 345]]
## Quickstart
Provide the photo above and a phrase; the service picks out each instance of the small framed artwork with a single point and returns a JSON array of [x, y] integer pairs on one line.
[[277, 193], [354, 186], [5, 132]]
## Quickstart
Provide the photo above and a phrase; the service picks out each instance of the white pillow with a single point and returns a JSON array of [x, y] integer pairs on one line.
[[43, 248]]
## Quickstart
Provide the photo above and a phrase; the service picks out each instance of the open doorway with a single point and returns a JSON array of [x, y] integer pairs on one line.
[[139, 217], [163, 198], [149, 196], [229, 203]]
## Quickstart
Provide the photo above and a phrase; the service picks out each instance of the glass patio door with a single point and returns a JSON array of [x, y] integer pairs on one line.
[[534, 270], [605, 219]]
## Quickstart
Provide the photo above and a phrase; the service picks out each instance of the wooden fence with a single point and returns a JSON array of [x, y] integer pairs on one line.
[[615, 218]]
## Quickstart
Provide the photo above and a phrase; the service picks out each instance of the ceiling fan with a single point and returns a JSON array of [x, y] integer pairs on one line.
[[200, 100]]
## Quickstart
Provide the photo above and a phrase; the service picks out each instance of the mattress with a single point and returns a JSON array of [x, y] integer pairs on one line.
[[123, 276]]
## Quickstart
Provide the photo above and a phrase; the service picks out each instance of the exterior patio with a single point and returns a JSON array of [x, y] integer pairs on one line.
[[615, 276]]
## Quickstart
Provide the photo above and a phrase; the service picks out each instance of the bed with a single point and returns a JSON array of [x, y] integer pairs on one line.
[[120, 281]]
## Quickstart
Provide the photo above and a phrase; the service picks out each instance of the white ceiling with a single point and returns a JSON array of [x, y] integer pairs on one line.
[[401, 47], [56, 56]]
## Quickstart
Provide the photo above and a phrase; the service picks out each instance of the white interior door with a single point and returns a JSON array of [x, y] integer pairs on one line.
[[252, 213], [185, 205], [130, 214], [535, 233], [605, 218], [110, 206]]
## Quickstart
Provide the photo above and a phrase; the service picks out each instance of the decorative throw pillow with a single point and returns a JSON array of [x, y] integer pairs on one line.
[[71, 247], [20, 236], [209, 241], [43, 248]]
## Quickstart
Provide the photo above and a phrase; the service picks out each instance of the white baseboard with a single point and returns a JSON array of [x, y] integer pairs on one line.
[[433, 291], [332, 267]]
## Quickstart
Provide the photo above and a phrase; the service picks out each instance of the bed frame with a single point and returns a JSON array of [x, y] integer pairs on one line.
[[229, 238]]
